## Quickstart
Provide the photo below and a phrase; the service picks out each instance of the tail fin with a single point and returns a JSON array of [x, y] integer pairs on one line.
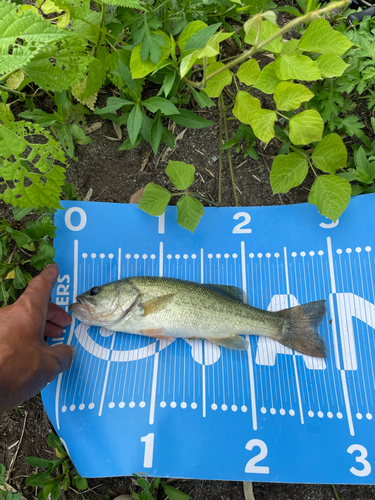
[[299, 328]]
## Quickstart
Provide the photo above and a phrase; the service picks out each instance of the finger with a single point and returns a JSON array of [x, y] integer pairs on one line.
[[64, 355], [52, 330], [39, 289], [57, 315]]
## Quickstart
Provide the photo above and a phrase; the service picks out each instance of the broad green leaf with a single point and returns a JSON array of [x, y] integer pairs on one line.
[[134, 123], [245, 107], [187, 118], [322, 38], [189, 213], [187, 63], [267, 81], [262, 123], [19, 280], [19, 237], [290, 47], [330, 154], [140, 68], [248, 110], [154, 199], [306, 127], [189, 31], [288, 171], [216, 84], [212, 46], [56, 492], [296, 67], [331, 65], [249, 72], [290, 10], [268, 29], [173, 493], [200, 39], [156, 134], [331, 194], [290, 96], [15, 80], [181, 174], [38, 462], [154, 104]]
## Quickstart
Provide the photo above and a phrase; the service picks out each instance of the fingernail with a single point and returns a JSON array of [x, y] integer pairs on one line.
[[74, 350], [51, 264]]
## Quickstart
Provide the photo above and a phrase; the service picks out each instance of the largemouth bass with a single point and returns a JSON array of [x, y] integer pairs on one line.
[[167, 308]]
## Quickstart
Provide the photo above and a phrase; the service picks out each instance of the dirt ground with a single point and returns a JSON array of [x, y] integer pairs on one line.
[[114, 176]]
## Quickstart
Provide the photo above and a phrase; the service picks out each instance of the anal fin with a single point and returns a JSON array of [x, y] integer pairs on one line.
[[156, 333], [234, 342]]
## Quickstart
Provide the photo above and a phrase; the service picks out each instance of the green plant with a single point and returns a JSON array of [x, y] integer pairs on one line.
[[156, 198], [150, 490], [67, 123], [5, 492], [53, 483], [362, 171]]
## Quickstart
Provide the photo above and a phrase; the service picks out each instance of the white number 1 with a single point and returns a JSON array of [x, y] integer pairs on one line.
[[149, 450]]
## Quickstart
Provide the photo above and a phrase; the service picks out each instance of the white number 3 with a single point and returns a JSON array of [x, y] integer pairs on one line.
[[361, 459]]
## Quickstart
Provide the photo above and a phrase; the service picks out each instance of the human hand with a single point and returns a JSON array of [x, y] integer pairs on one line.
[[27, 362]]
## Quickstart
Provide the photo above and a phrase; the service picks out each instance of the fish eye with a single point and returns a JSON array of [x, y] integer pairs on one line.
[[94, 291]]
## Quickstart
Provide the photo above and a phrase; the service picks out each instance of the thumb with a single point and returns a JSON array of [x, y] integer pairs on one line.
[[64, 356]]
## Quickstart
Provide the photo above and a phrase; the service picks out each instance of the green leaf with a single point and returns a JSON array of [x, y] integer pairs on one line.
[[80, 482], [287, 171], [216, 84], [38, 462], [113, 104], [247, 109], [134, 123], [154, 104], [212, 48], [291, 10], [19, 280], [267, 81], [331, 65], [306, 127], [143, 483], [140, 67], [202, 98], [18, 236], [290, 46], [181, 174], [189, 119], [189, 213], [249, 72], [154, 199], [66, 482], [296, 67], [55, 492], [289, 96], [145, 495], [331, 194], [268, 29], [330, 154], [54, 442], [189, 31], [44, 256], [200, 38], [322, 38], [174, 493]]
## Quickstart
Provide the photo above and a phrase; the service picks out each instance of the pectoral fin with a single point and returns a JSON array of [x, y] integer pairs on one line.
[[157, 304], [233, 342]]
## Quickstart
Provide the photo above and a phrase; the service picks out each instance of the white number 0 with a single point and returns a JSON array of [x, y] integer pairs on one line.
[[250, 466], [361, 459], [238, 229]]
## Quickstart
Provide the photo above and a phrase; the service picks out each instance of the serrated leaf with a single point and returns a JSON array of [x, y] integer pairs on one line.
[[267, 81], [249, 72], [296, 67], [289, 96], [154, 104], [268, 29], [45, 254], [189, 31], [131, 4], [189, 212], [187, 118], [306, 127], [216, 84], [330, 154], [287, 171], [331, 65], [320, 37], [181, 174], [155, 199], [139, 67], [331, 194]]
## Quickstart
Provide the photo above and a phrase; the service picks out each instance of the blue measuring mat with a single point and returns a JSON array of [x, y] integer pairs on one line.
[[191, 409]]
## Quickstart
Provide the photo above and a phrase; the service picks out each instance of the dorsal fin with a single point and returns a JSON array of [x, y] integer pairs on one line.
[[233, 292]]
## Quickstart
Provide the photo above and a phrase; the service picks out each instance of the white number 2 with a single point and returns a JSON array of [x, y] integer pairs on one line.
[[250, 466], [149, 449], [361, 459], [238, 229]]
